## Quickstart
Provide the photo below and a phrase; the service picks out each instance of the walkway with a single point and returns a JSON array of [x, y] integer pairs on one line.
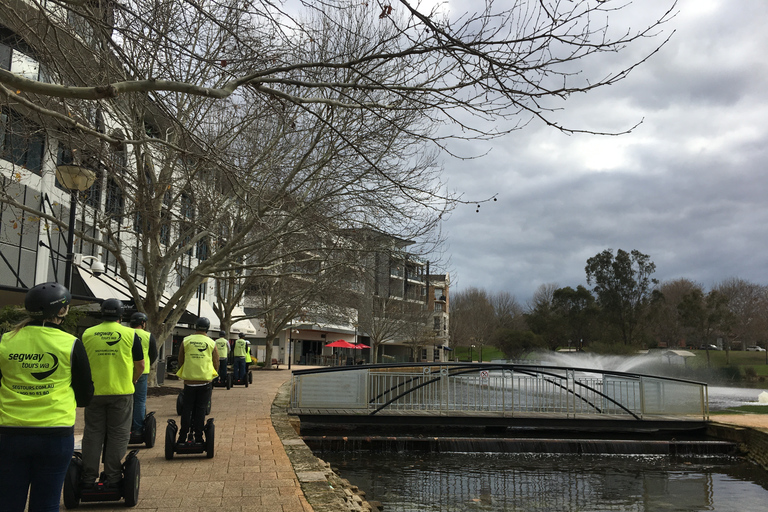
[[250, 471]]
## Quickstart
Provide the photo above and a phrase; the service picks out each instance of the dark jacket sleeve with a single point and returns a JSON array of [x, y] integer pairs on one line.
[[82, 383], [137, 351], [152, 349]]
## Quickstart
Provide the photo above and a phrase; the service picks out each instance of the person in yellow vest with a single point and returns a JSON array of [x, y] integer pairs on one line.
[[241, 348], [44, 376], [198, 366], [222, 347], [117, 362], [149, 349]]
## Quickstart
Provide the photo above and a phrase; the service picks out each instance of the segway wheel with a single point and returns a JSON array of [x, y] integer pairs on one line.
[[229, 381], [245, 380], [250, 377], [179, 403], [72, 482], [150, 430], [170, 439], [210, 432], [131, 479]]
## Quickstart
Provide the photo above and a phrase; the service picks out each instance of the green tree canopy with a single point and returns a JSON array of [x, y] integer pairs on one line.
[[623, 286]]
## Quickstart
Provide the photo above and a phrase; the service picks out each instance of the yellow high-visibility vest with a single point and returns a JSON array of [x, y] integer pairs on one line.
[[35, 390], [110, 351], [222, 347], [144, 337], [198, 364]]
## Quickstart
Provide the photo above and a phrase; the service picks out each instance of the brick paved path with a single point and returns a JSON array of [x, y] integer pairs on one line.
[[250, 470]]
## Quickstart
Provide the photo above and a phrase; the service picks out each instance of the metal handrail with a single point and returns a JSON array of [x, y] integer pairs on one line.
[[394, 388]]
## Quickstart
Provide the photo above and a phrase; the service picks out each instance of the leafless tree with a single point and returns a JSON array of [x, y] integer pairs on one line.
[[746, 303], [473, 318], [508, 62]]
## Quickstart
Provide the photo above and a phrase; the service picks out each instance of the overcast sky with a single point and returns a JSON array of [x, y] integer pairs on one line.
[[687, 187]]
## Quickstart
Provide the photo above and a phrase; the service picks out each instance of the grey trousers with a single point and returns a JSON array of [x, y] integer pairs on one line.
[[110, 416]]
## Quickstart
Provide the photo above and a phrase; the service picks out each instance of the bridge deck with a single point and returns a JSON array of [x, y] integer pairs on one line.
[[399, 422]]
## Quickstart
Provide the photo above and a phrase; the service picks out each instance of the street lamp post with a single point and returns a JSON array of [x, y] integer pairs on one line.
[[75, 179], [290, 343], [470, 352]]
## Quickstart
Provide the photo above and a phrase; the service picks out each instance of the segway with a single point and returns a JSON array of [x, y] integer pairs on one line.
[[223, 381], [128, 489], [172, 447], [180, 404], [243, 381], [149, 434]]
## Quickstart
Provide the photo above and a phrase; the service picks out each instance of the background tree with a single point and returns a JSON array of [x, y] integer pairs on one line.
[[473, 318], [746, 304], [665, 321], [623, 286], [514, 344], [579, 312], [706, 316], [542, 318]]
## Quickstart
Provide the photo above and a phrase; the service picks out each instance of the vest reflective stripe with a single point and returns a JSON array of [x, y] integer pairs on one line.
[[239, 350], [36, 389], [198, 364], [222, 347], [144, 337], [109, 346]]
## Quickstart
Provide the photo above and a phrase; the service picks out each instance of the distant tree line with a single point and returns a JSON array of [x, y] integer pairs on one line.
[[621, 309]]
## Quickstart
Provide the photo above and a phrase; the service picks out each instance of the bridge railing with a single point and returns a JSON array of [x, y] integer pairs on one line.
[[497, 389]]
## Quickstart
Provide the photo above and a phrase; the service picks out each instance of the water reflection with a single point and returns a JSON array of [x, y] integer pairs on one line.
[[540, 482]]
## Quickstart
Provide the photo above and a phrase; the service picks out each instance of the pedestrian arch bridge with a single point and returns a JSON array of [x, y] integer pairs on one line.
[[500, 396]]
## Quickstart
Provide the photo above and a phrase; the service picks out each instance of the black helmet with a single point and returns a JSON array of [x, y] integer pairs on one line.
[[138, 318], [241, 335], [202, 324], [222, 334], [46, 300], [112, 309]]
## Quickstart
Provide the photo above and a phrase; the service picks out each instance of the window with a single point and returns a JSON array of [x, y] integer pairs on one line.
[[439, 306], [114, 203], [182, 275], [201, 251], [187, 208], [21, 141], [82, 28], [93, 194], [165, 228], [439, 295], [437, 323], [18, 58]]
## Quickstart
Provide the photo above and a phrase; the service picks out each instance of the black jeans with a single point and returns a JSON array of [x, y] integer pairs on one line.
[[36, 464], [196, 400]]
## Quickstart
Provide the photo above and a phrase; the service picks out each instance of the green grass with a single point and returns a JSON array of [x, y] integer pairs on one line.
[[489, 353], [743, 409]]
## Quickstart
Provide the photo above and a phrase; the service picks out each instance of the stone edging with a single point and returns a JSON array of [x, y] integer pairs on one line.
[[324, 490], [753, 442]]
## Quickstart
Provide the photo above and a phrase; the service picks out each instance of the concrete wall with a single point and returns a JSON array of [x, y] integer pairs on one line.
[[753, 443]]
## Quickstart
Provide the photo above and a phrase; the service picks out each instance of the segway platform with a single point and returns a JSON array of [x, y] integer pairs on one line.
[[185, 448], [245, 381], [223, 382], [128, 488], [150, 432]]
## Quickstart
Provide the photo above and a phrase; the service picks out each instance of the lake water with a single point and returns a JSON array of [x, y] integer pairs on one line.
[[458, 482]]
